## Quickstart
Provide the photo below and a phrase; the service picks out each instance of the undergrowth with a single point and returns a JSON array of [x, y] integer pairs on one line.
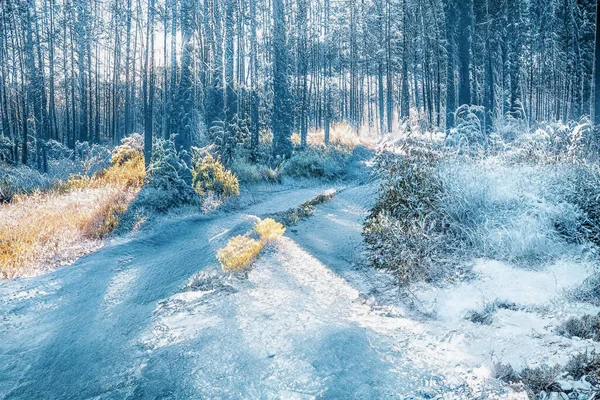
[[44, 228], [586, 327], [239, 252], [210, 176], [535, 379], [436, 209], [545, 379], [269, 230], [303, 211]]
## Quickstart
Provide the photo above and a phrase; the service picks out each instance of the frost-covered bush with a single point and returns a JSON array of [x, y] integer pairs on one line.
[[435, 212], [209, 175], [536, 380], [6, 149], [467, 134], [249, 172], [405, 230], [510, 129], [583, 140], [84, 160], [131, 147], [586, 327], [548, 142], [127, 169], [167, 171], [584, 364], [588, 291], [56, 150], [165, 183], [93, 158], [312, 162], [503, 212], [227, 137], [21, 180], [578, 185]]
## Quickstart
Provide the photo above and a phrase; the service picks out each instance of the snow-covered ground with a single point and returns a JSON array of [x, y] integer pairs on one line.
[[308, 321]]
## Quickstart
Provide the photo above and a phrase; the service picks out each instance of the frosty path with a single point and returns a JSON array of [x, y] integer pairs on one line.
[[116, 325], [304, 324]]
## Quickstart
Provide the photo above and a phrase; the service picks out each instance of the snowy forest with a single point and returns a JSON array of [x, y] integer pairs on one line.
[[300, 199], [97, 71]]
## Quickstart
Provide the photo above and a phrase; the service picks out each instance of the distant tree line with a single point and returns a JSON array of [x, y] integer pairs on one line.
[[231, 70]]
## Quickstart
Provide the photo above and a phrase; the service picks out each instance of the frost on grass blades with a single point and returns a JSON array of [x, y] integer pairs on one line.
[[242, 250], [299, 199]]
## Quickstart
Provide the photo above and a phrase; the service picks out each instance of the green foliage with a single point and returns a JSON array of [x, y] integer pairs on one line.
[[209, 175]]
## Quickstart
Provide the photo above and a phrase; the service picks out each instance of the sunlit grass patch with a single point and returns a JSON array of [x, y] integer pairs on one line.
[[36, 229], [45, 229], [341, 136], [269, 230], [239, 252], [243, 250], [210, 176]]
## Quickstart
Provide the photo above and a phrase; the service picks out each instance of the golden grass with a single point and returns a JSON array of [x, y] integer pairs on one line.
[[45, 228], [242, 250], [269, 230], [210, 176], [239, 252], [341, 135]]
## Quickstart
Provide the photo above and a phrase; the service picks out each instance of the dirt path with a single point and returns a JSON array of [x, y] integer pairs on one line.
[[308, 320]]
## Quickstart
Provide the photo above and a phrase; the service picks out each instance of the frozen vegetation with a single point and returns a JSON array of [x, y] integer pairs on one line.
[[485, 283], [299, 199]]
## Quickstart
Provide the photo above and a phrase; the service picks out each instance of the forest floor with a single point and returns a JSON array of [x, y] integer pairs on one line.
[[309, 320]]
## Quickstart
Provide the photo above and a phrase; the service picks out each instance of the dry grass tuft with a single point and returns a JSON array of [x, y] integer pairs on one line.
[[239, 252], [242, 250], [48, 228], [341, 135], [209, 175], [269, 230]]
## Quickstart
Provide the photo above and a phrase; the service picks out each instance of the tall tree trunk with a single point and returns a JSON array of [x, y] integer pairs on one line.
[[450, 14], [149, 85], [282, 105], [254, 112], [464, 38], [597, 68]]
